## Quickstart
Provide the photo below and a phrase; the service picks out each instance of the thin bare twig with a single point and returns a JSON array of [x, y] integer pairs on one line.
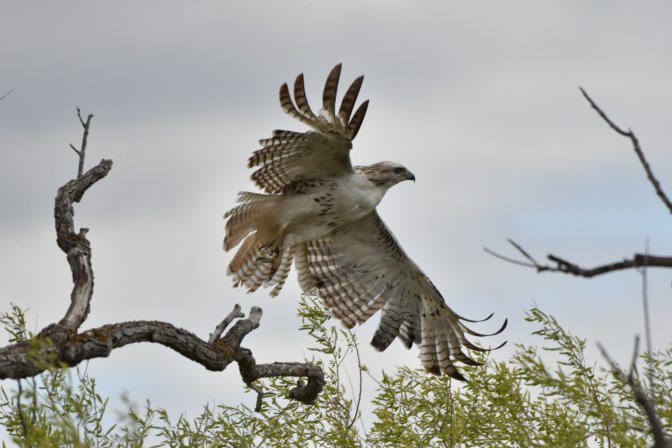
[[523, 251], [19, 408], [638, 150], [566, 267], [531, 263], [82, 151], [6, 95], [645, 304], [509, 259], [260, 396], [359, 368]]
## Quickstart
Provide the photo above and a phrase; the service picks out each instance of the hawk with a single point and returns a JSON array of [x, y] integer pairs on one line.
[[319, 211]]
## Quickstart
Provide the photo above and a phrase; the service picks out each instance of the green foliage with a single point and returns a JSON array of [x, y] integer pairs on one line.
[[14, 322], [541, 397], [282, 422], [56, 410]]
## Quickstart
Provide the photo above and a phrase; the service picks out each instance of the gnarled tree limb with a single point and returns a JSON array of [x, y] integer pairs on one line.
[[63, 344], [75, 245]]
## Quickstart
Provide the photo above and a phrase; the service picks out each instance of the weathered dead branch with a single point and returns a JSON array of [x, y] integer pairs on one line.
[[63, 344]]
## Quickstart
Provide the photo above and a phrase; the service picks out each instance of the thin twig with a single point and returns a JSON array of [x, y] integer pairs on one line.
[[638, 150], [359, 367], [647, 318], [6, 95], [81, 120], [235, 314], [260, 396], [20, 410], [523, 251], [81, 152], [508, 259], [566, 267], [635, 355]]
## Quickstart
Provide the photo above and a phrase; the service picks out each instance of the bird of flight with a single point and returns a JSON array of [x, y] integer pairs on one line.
[[319, 211]]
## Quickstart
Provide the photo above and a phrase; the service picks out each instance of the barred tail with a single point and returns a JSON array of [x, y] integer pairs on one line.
[[244, 219], [251, 266], [262, 258]]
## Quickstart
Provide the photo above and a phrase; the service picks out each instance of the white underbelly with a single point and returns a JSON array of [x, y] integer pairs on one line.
[[316, 214]]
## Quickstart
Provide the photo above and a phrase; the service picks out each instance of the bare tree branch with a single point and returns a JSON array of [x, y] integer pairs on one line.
[[6, 95], [305, 393], [647, 316], [81, 152], [561, 265], [235, 314], [58, 345], [63, 345], [638, 150], [660, 438], [359, 394], [637, 261]]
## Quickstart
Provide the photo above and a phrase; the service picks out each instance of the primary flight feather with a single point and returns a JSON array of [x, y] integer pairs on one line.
[[319, 211]]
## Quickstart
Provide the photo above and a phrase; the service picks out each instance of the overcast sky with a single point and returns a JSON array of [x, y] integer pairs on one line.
[[479, 100]]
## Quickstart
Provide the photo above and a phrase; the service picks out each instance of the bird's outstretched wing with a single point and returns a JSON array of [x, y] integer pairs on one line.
[[360, 269], [288, 156]]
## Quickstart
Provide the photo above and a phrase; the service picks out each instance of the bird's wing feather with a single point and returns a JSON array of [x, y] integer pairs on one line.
[[360, 269], [289, 157]]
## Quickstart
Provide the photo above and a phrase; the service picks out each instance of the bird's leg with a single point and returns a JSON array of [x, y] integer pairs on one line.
[[271, 255], [269, 251]]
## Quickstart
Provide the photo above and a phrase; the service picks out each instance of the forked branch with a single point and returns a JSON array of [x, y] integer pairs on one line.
[[64, 345], [81, 152], [558, 264]]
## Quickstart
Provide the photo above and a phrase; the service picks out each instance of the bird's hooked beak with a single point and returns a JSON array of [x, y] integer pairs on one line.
[[410, 176]]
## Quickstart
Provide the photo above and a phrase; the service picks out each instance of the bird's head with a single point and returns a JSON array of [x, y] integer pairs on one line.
[[385, 174]]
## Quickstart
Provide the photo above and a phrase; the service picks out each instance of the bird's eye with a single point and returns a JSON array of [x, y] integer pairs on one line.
[[398, 170]]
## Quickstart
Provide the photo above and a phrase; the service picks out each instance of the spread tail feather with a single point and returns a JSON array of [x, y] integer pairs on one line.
[[252, 264], [260, 263], [243, 219], [262, 258]]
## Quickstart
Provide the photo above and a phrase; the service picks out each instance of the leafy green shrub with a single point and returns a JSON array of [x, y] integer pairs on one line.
[[521, 402]]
